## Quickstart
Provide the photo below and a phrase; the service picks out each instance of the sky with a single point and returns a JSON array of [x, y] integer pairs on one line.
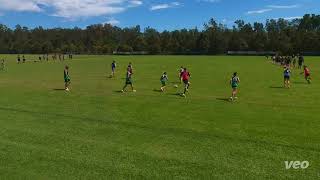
[[159, 14]]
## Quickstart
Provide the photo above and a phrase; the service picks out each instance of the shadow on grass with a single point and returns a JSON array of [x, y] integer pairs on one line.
[[119, 91], [223, 99], [59, 89], [176, 94], [276, 87], [176, 83], [157, 90], [299, 82]]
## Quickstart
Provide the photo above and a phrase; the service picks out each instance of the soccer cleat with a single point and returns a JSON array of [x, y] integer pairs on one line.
[[122, 91]]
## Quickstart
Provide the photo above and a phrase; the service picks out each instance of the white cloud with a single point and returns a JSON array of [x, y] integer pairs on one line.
[[19, 5], [284, 6], [290, 18], [164, 6], [112, 21], [260, 11], [135, 3], [71, 9]]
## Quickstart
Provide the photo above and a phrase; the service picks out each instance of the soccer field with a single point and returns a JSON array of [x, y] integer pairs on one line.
[[96, 132]]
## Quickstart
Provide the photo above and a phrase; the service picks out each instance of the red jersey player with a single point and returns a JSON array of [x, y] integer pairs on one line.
[[307, 74], [185, 75]]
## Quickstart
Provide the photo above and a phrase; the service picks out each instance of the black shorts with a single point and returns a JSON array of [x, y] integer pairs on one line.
[[286, 77], [186, 82], [129, 81]]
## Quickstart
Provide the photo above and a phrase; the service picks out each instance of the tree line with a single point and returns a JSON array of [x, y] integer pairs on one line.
[[280, 35]]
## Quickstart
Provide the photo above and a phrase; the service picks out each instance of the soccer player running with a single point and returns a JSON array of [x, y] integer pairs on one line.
[[180, 73], [287, 74], [294, 62], [113, 68], [18, 59], [234, 82], [300, 61], [185, 75], [3, 65], [129, 79], [67, 80], [307, 74], [163, 79]]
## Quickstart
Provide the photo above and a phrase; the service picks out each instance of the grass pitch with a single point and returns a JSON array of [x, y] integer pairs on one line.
[[95, 132]]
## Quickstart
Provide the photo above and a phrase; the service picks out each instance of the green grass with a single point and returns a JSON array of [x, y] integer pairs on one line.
[[95, 132]]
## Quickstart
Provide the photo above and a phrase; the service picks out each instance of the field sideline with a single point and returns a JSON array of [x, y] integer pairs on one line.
[[96, 132]]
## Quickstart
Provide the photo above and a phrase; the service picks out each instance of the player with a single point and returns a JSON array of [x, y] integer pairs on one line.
[[234, 82], [300, 61], [18, 59], [185, 75], [130, 68], [287, 74], [113, 68], [294, 62], [180, 73], [164, 79], [128, 80], [3, 65], [67, 79], [307, 74]]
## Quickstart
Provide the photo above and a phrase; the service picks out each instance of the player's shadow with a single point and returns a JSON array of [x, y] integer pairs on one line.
[[118, 91], [223, 99], [299, 82], [176, 94], [59, 89], [176, 82], [276, 87], [157, 90]]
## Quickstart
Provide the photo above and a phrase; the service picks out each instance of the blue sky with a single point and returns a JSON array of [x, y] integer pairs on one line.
[[160, 14]]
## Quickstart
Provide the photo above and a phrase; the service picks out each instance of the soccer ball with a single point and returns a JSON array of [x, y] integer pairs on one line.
[[176, 86]]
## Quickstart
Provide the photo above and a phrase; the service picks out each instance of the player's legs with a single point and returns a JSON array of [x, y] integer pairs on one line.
[[308, 79], [163, 86], [113, 72], [186, 86], [67, 83], [234, 93], [124, 87], [288, 82]]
